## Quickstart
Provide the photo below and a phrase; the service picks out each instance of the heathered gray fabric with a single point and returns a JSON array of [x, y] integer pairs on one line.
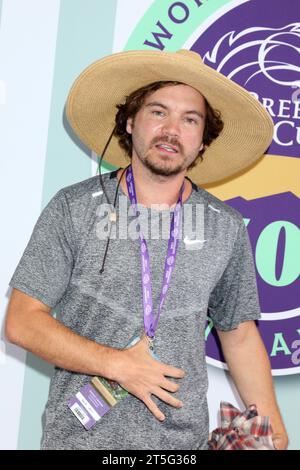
[[60, 267]]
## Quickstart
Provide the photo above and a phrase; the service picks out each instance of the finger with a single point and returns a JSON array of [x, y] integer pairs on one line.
[[170, 386], [153, 408], [167, 398], [170, 371]]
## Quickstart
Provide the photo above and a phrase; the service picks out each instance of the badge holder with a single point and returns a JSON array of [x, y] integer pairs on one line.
[[97, 397]]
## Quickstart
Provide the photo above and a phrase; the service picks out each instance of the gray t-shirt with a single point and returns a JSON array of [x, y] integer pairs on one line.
[[60, 267]]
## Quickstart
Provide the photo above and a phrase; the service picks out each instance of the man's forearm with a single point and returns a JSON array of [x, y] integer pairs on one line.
[[250, 369], [51, 340]]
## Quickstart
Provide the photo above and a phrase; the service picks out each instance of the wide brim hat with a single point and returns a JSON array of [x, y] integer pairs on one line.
[[91, 108]]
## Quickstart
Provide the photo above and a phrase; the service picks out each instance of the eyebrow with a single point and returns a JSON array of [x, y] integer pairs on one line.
[[157, 103]]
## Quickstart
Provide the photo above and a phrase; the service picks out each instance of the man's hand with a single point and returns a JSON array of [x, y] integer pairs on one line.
[[280, 441], [141, 375]]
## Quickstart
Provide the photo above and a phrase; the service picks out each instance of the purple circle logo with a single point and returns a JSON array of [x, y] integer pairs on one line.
[[170, 260], [148, 309]]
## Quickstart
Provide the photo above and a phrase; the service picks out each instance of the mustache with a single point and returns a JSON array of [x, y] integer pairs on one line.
[[167, 140]]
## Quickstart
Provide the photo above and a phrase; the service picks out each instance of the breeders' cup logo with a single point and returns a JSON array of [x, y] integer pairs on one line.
[[262, 54], [265, 51], [273, 57], [264, 60]]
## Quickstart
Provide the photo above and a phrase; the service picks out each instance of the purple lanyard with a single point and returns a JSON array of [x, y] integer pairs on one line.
[[150, 319]]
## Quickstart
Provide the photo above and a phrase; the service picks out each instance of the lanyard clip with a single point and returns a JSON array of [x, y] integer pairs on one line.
[[150, 342]]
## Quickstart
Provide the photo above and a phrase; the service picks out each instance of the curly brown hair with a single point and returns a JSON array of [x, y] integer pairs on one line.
[[134, 102]]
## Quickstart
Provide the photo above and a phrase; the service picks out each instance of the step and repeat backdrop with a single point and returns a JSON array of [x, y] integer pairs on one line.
[[43, 47]]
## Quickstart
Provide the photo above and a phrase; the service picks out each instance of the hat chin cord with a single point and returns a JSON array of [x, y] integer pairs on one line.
[[113, 214]]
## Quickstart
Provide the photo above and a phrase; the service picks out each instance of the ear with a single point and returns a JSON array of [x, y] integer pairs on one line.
[[129, 125], [202, 145]]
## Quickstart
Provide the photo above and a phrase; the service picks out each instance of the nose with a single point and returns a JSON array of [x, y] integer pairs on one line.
[[171, 126]]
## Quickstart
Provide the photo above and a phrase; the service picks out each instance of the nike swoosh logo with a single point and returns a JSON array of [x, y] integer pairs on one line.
[[187, 241]]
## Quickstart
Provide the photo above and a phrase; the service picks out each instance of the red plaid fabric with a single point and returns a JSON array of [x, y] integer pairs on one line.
[[241, 431]]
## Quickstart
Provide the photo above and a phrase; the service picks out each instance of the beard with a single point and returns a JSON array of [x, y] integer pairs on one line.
[[165, 165], [163, 168]]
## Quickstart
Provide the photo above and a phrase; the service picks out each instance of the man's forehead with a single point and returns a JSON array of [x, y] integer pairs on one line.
[[168, 92]]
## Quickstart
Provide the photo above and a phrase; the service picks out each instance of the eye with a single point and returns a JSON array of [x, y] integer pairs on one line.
[[156, 112], [191, 121]]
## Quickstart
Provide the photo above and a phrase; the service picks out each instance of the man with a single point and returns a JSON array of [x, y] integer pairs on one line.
[[174, 112]]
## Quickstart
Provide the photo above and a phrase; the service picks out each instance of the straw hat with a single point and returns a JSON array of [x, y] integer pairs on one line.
[[91, 108]]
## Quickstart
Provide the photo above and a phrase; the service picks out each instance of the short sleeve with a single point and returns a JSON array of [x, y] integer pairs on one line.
[[235, 298], [46, 265]]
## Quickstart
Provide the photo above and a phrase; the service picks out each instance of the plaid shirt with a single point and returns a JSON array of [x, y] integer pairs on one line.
[[241, 431]]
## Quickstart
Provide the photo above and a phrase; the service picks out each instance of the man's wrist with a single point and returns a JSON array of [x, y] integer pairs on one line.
[[111, 364]]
